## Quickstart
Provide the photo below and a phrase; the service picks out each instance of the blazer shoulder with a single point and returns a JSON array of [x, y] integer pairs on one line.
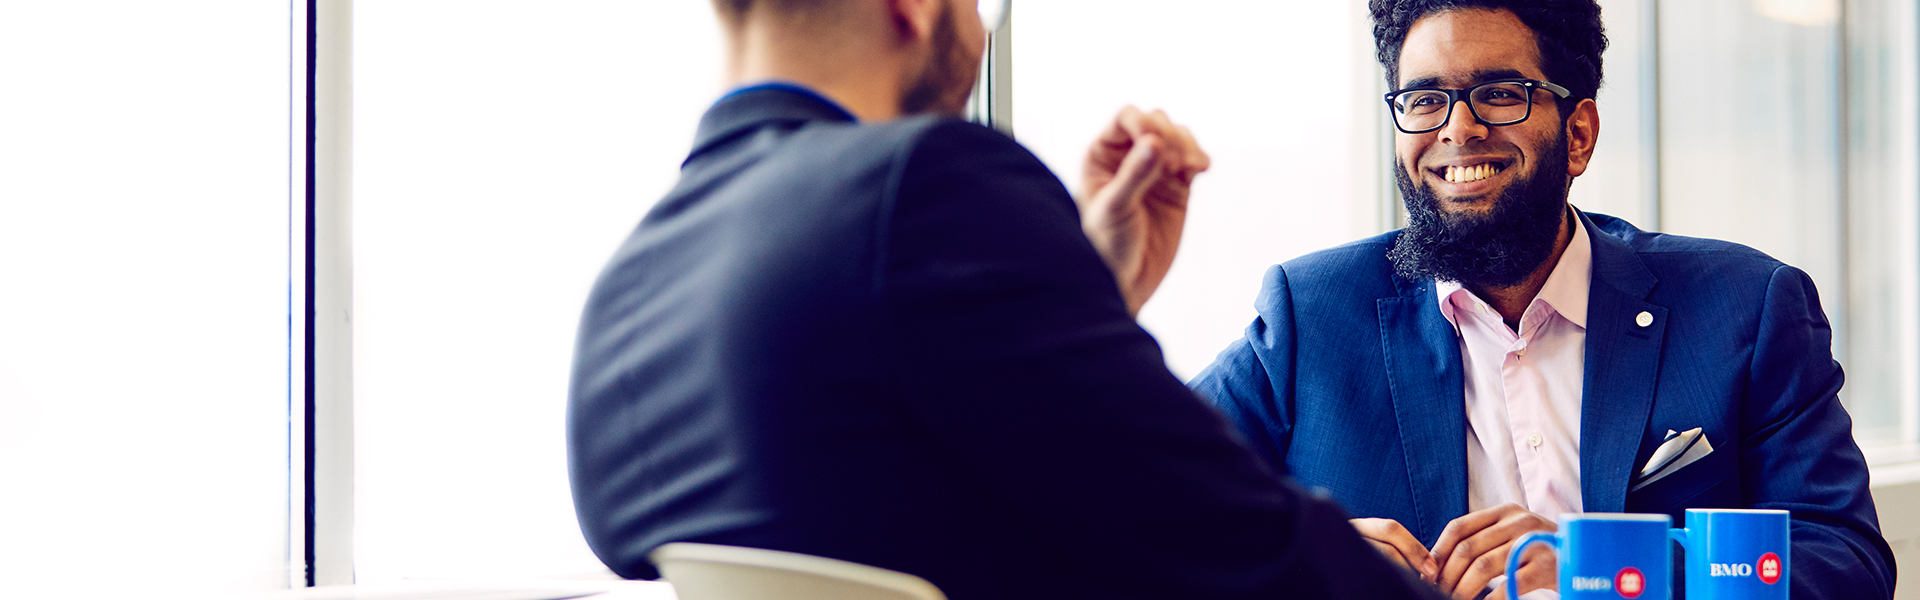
[[942, 138], [830, 148], [929, 134], [957, 164], [1675, 258]]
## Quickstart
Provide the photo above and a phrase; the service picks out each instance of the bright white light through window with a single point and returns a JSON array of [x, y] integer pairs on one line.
[[144, 297]]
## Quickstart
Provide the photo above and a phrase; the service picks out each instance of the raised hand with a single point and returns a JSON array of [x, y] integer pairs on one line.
[[1133, 203]]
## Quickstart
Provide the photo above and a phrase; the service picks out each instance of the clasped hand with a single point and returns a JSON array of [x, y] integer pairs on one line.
[[1471, 551], [1133, 203]]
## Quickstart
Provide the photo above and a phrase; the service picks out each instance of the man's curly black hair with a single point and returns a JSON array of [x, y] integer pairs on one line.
[[1570, 35]]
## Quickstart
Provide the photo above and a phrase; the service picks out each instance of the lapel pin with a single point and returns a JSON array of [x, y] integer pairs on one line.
[[1644, 318]]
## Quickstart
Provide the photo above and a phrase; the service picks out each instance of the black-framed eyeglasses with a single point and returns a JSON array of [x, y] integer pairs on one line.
[[1502, 102]]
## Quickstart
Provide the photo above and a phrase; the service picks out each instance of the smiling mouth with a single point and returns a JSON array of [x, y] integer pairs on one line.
[[1469, 173]]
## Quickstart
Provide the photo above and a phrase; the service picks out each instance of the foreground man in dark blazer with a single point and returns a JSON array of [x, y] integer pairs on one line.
[[859, 328], [1506, 359]]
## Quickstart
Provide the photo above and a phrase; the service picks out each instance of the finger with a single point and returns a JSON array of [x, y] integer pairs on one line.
[[1391, 532], [1511, 525], [1392, 553], [1138, 171], [1130, 123], [1160, 120], [1536, 572], [1481, 571], [1156, 123], [1185, 158], [1181, 136], [1197, 159], [1461, 529], [1111, 147], [1127, 129]]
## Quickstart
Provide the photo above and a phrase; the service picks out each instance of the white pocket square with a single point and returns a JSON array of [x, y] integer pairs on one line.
[[1680, 449]]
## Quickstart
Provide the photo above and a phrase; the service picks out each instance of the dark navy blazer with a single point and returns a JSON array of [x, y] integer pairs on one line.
[[1351, 379], [892, 344]]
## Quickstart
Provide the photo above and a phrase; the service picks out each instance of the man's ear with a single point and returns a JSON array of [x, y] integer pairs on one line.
[[1583, 131], [914, 20]]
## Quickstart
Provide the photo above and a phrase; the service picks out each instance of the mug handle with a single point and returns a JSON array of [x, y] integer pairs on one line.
[[1513, 559], [1680, 534]]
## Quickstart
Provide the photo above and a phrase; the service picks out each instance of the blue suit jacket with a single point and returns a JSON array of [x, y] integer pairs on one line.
[[1350, 378], [891, 344]]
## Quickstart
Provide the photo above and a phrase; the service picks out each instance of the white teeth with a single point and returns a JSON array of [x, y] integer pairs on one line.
[[1469, 174]]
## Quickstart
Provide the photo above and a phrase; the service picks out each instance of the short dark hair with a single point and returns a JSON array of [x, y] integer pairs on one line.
[[1569, 34]]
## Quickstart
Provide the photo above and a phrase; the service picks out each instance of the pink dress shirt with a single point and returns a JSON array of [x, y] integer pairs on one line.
[[1523, 390]]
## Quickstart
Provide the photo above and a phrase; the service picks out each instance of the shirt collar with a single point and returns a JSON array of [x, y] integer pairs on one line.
[[1566, 288]]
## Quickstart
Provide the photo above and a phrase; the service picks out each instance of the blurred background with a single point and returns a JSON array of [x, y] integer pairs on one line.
[[153, 382]]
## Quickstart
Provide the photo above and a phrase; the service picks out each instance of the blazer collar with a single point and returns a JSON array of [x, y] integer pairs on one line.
[[750, 108], [1625, 334], [1424, 377], [1616, 264]]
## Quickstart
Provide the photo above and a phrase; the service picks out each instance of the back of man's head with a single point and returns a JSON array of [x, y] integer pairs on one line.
[[878, 59], [734, 12], [1569, 33]]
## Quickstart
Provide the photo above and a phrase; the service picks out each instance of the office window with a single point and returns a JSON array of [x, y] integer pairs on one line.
[[1788, 125], [1881, 244], [502, 152], [144, 298]]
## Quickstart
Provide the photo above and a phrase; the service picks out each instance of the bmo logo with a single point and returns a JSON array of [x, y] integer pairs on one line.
[[1730, 570], [1767, 568], [1630, 582]]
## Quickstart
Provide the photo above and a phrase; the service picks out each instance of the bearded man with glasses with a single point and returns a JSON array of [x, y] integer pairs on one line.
[[1506, 358]]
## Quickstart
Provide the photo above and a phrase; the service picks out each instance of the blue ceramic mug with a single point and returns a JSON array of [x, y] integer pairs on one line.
[[1734, 553], [1605, 555]]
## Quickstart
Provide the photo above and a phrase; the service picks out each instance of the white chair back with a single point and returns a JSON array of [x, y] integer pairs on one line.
[[715, 572]]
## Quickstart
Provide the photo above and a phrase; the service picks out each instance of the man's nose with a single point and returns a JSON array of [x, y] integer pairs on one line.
[[1461, 126]]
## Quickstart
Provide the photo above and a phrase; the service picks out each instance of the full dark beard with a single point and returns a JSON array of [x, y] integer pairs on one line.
[[1497, 249]]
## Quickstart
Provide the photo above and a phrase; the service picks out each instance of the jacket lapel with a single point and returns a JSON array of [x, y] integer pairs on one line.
[[1623, 360], [1429, 403]]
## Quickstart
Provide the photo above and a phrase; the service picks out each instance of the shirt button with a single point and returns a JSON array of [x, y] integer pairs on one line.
[[1533, 440]]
